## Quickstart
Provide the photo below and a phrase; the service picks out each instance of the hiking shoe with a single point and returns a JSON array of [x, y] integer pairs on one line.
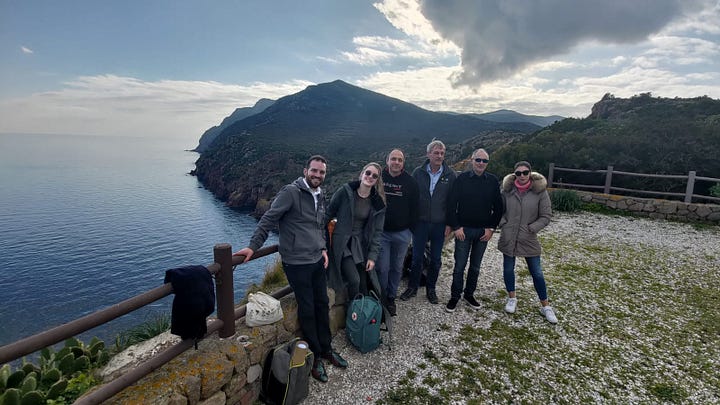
[[549, 314], [472, 302], [409, 293], [335, 359], [511, 305], [391, 307], [432, 297], [452, 304], [318, 371]]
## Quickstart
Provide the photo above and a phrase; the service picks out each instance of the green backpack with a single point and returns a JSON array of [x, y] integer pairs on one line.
[[362, 322]]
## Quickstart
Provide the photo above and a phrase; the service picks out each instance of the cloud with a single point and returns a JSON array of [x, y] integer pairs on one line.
[[26, 50], [116, 105], [499, 38]]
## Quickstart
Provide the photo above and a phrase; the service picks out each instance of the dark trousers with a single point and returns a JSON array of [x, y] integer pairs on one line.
[[310, 287], [424, 232], [355, 276]]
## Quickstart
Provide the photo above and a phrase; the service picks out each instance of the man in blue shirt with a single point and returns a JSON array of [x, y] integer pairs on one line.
[[434, 179]]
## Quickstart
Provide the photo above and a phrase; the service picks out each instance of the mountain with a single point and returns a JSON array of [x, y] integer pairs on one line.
[[513, 116], [240, 113], [251, 158], [641, 134]]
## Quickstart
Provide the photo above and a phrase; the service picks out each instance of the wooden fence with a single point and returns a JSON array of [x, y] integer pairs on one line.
[[221, 269], [607, 188]]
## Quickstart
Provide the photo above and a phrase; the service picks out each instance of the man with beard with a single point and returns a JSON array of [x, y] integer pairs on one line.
[[298, 213]]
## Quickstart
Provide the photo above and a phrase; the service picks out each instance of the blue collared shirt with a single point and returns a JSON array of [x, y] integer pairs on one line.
[[434, 177]]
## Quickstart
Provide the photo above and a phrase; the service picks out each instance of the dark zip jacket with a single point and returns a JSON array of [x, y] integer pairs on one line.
[[432, 208]]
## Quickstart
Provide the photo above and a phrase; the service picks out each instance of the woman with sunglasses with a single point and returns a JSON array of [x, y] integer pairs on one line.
[[527, 211], [359, 208]]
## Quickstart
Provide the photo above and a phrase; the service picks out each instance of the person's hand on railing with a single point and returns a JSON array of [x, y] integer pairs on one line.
[[247, 252]]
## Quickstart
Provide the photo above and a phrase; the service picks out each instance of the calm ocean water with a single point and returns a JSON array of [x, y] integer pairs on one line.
[[86, 222]]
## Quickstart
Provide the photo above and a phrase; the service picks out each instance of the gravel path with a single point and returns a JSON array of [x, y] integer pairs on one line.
[[420, 325]]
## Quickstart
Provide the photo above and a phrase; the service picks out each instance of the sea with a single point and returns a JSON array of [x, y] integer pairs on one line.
[[89, 221]]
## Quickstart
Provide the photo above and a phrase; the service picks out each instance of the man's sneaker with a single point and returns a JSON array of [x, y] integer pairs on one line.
[[549, 314], [472, 302], [318, 371], [511, 305], [335, 359], [391, 307], [432, 297], [452, 304], [409, 293]]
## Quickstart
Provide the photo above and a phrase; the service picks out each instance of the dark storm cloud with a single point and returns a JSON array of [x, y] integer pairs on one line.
[[501, 37]]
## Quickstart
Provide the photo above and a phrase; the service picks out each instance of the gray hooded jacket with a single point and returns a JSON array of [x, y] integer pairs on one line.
[[301, 226]]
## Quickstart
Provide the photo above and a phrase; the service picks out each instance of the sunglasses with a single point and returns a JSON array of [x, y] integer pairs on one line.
[[522, 173], [481, 160], [371, 174]]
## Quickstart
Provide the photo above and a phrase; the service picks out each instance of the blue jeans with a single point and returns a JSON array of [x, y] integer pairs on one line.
[[473, 247], [393, 249], [535, 268], [424, 232], [310, 287]]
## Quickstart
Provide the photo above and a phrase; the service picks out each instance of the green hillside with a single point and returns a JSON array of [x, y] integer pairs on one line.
[[641, 134]]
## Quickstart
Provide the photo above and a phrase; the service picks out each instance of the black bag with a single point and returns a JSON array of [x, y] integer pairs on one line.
[[286, 373]]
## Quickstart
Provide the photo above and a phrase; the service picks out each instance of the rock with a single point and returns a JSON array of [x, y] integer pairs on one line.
[[218, 398], [253, 373]]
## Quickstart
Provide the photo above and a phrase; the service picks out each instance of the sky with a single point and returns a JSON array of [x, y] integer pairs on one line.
[[175, 68]]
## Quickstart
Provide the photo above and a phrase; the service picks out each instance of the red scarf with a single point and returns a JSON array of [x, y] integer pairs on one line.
[[523, 188]]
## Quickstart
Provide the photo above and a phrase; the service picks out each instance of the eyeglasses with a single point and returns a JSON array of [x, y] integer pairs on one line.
[[481, 160], [371, 174], [522, 173]]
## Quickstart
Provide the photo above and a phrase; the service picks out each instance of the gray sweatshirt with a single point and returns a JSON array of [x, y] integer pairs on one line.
[[293, 213]]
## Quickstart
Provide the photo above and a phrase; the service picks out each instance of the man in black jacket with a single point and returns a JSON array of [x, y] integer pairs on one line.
[[401, 193], [434, 179], [474, 210]]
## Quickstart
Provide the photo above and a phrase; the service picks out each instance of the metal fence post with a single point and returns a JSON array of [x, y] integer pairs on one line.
[[608, 180], [690, 187], [551, 170], [224, 289]]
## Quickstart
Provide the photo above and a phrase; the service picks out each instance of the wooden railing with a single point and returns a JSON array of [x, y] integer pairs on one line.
[[224, 324], [687, 196]]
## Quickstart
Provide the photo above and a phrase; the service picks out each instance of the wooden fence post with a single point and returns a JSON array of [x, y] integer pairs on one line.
[[690, 187], [224, 289], [608, 180], [551, 169]]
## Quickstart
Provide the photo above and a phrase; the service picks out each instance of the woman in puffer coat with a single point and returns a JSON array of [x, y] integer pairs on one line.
[[359, 207], [527, 211]]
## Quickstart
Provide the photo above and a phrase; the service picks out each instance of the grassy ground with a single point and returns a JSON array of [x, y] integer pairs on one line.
[[639, 323]]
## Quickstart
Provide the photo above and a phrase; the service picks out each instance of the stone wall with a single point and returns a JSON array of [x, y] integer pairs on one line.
[[221, 371], [655, 208]]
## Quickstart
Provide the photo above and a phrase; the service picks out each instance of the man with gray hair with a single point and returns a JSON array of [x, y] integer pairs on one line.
[[474, 210], [434, 179]]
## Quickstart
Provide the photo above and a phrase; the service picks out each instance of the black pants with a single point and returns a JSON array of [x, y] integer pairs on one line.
[[310, 287], [355, 276]]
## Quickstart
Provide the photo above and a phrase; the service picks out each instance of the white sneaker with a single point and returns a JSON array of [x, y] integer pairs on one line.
[[549, 314], [511, 305]]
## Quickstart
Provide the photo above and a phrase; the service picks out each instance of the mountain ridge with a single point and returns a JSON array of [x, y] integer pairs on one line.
[[251, 158]]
